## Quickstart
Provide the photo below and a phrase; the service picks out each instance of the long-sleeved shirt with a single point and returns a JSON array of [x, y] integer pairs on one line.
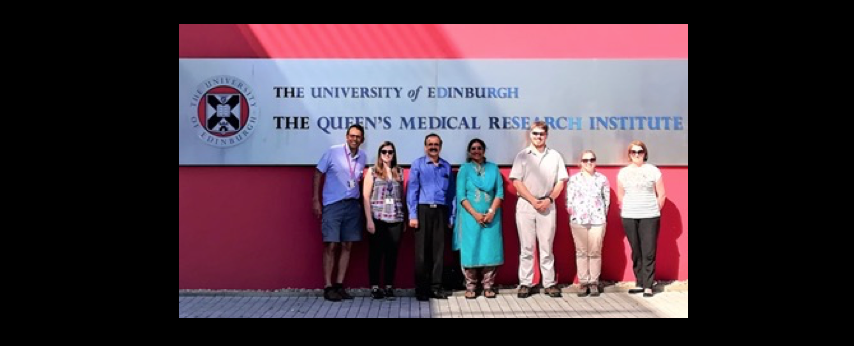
[[431, 184], [588, 198]]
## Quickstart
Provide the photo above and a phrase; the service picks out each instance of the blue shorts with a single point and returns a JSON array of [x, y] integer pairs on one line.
[[342, 221]]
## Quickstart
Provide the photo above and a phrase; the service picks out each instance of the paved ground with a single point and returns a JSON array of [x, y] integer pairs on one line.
[[615, 303]]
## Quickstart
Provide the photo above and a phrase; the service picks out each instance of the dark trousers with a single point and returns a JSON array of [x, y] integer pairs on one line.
[[430, 247], [643, 238], [384, 244]]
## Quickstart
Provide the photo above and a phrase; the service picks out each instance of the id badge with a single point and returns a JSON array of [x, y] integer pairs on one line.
[[389, 201], [351, 184]]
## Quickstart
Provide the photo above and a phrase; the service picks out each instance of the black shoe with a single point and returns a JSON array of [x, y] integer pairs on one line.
[[341, 292], [635, 290], [331, 294], [439, 294], [524, 292], [422, 297], [389, 293], [594, 291], [553, 291], [377, 293], [584, 293]]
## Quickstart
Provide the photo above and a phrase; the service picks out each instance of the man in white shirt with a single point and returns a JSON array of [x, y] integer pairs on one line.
[[538, 174]]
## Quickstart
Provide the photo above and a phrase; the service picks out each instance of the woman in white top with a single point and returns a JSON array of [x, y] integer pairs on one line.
[[587, 199], [640, 193]]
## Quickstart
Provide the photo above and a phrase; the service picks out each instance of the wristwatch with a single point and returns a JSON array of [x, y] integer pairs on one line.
[[489, 211]]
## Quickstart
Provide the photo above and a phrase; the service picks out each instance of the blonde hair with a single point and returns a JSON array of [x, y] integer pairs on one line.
[[580, 164]]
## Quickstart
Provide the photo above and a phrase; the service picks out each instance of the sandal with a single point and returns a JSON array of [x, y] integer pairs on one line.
[[471, 294], [489, 293]]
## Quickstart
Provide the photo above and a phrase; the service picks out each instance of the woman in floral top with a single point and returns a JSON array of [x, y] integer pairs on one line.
[[587, 199]]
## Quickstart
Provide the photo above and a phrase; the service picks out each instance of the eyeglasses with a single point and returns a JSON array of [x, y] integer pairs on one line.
[[636, 151], [387, 152], [538, 133], [476, 148], [593, 160]]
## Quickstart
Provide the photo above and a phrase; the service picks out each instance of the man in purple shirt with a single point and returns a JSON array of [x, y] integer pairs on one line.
[[430, 198], [341, 210]]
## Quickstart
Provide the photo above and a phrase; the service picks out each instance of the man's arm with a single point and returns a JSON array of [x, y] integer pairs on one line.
[[316, 205], [556, 192], [412, 192], [523, 192]]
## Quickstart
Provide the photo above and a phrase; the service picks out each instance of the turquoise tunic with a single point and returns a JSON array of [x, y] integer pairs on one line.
[[480, 246]]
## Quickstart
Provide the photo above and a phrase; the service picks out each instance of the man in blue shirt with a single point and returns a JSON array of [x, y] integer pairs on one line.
[[341, 211], [430, 198]]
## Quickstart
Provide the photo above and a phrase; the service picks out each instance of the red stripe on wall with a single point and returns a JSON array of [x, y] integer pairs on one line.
[[431, 41]]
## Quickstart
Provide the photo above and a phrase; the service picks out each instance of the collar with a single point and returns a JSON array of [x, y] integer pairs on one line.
[[533, 150], [427, 161], [347, 150]]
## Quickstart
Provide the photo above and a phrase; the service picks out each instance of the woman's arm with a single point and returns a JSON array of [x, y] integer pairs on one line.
[[659, 190], [367, 190]]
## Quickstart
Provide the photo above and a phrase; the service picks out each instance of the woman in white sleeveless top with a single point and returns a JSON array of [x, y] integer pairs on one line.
[[383, 197]]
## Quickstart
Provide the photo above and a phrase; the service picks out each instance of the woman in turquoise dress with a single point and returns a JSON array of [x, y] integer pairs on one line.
[[477, 234]]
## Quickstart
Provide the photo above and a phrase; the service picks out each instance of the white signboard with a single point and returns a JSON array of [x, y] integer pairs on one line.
[[288, 111]]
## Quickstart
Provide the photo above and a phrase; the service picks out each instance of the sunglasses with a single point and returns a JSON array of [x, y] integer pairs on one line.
[[636, 151], [538, 133], [593, 160], [389, 152]]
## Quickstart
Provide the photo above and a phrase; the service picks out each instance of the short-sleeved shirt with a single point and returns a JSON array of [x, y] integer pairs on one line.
[[340, 167], [540, 172], [639, 200]]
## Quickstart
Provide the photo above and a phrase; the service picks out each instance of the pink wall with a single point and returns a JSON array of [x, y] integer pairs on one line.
[[269, 239]]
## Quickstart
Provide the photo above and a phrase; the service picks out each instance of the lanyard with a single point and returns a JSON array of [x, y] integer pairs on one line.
[[352, 169]]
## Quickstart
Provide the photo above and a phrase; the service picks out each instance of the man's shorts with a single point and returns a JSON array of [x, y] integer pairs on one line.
[[342, 221]]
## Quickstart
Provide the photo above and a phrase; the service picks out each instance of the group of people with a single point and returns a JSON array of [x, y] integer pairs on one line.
[[471, 203]]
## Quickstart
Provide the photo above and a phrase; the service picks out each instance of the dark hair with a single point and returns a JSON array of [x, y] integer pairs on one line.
[[472, 142], [433, 135], [540, 124], [357, 127], [379, 170]]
